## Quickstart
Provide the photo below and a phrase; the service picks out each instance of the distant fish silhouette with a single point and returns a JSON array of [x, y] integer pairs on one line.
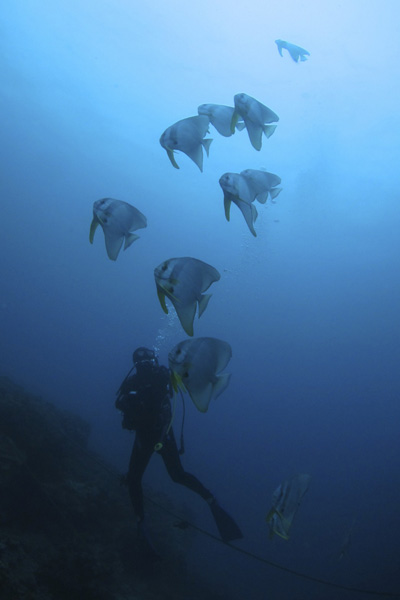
[[346, 542], [296, 52], [285, 502]]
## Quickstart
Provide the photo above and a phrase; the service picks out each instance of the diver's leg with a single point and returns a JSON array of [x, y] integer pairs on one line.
[[141, 454], [172, 461], [227, 527]]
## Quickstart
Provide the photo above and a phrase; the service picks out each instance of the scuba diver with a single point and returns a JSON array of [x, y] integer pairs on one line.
[[144, 398]]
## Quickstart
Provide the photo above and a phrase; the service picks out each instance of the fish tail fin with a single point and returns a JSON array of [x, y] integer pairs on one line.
[[129, 239], [275, 192], [269, 130], [221, 384], [206, 144], [203, 303]]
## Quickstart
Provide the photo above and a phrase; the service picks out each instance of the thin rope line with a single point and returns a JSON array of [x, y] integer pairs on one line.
[[276, 565], [251, 554]]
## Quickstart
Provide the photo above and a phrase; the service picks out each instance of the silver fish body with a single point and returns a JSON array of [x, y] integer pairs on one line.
[[119, 220], [187, 136], [196, 365], [236, 190], [183, 281]]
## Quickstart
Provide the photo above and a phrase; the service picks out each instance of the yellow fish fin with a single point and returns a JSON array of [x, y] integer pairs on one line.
[[176, 382], [93, 228], [161, 297], [172, 158]]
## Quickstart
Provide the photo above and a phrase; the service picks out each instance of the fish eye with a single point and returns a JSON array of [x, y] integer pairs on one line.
[[171, 290], [164, 267], [178, 351], [186, 374]]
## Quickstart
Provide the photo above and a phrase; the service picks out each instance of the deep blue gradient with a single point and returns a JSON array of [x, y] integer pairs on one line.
[[310, 306]]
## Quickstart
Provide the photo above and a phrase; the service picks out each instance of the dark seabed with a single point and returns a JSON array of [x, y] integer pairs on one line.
[[310, 306]]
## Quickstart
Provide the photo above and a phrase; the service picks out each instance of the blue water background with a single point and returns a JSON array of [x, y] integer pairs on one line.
[[310, 306]]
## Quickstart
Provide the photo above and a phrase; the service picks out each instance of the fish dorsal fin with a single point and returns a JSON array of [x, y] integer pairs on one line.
[[203, 303], [113, 243], [93, 226], [129, 239]]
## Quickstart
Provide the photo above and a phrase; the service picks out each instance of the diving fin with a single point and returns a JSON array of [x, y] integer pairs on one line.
[[228, 529]]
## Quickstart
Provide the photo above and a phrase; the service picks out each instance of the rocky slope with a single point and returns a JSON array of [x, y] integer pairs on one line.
[[66, 524]]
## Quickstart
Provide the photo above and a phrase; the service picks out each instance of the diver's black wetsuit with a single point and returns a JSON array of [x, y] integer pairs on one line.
[[144, 399]]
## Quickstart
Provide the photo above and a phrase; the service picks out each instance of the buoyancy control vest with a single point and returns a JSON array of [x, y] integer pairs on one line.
[[144, 399]]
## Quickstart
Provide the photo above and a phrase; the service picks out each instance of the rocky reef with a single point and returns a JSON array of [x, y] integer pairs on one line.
[[66, 523]]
